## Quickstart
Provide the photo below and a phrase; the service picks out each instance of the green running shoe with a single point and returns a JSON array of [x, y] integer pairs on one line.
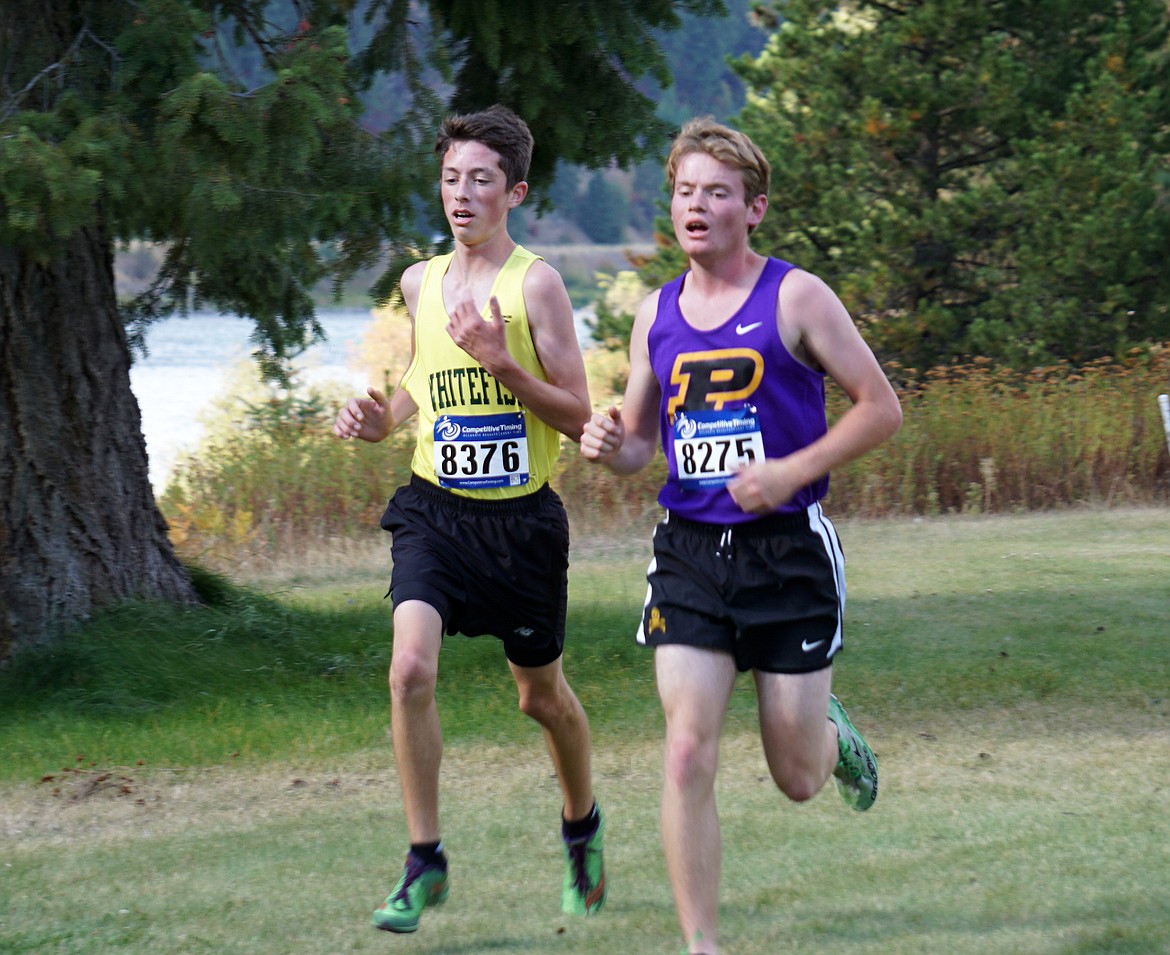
[[856, 774], [421, 885], [583, 890]]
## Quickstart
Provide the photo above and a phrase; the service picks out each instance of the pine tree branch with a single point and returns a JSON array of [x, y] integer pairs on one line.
[[57, 68]]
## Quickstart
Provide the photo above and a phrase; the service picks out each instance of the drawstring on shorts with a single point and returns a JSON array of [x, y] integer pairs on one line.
[[726, 546]]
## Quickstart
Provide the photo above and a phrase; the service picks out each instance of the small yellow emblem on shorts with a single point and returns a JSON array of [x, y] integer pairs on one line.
[[656, 622]]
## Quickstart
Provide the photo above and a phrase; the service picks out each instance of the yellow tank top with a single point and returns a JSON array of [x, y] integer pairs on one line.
[[474, 436]]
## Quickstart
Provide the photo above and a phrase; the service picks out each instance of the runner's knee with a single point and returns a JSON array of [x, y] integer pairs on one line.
[[690, 759], [545, 704], [411, 675]]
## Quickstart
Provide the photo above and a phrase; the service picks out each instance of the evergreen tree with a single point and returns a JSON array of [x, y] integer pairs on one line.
[[703, 80], [229, 131], [974, 178], [646, 195], [604, 211], [566, 184], [701, 53]]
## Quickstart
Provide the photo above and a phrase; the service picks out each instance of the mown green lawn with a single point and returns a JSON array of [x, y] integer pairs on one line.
[[220, 780]]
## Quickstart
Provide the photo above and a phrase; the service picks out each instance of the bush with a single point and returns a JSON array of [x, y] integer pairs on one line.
[[276, 477]]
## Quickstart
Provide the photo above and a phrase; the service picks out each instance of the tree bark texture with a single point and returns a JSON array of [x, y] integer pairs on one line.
[[79, 527]]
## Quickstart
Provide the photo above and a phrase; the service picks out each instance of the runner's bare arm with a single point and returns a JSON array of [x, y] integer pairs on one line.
[[626, 440], [824, 336], [562, 402], [374, 417]]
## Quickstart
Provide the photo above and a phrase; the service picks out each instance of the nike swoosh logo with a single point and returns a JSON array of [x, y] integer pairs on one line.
[[809, 647], [744, 329]]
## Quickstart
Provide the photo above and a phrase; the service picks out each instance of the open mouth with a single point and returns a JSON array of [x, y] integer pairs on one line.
[[462, 215], [694, 227]]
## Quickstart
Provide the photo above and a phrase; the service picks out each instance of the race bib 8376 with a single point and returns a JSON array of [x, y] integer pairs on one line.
[[481, 451]]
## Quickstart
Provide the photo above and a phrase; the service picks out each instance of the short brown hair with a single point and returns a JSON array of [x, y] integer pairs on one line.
[[496, 127], [704, 135]]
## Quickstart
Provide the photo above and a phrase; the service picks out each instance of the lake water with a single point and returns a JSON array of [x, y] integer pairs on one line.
[[193, 361]]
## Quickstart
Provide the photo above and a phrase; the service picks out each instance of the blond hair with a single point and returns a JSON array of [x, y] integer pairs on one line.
[[704, 135]]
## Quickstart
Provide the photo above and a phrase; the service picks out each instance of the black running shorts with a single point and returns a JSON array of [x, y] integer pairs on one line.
[[770, 592], [487, 566]]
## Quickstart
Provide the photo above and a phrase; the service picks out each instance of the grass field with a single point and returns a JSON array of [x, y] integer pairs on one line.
[[220, 780]]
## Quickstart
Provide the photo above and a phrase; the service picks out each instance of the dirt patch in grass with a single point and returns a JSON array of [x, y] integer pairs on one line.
[[1054, 752]]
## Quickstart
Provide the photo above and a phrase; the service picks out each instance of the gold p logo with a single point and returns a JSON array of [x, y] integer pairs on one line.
[[710, 379]]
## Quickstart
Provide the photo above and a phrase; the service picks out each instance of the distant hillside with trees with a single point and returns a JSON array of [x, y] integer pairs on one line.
[[620, 203]]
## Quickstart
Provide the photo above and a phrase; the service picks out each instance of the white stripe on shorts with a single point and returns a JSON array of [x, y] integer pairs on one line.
[[820, 524]]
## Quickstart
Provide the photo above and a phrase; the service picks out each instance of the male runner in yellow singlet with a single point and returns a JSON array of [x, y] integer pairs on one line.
[[480, 540]]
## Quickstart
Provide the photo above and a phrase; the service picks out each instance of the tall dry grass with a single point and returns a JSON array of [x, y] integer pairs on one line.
[[981, 439], [975, 439]]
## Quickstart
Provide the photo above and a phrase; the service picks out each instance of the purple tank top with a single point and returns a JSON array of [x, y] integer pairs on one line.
[[730, 395]]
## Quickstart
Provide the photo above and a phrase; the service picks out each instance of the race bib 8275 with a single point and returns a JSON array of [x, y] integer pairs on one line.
[[480, 451], [710, 446]]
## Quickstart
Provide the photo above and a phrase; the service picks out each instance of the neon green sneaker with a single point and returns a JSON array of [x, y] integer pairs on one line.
[[583, 890], [856, 774], [421, 885], [686, 949]]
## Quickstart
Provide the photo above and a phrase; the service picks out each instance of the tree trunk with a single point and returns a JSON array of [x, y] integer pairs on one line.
[[78, 523]]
